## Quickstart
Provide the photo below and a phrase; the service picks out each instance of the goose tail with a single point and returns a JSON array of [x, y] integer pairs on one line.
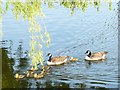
[[105, 52], [70, 57]]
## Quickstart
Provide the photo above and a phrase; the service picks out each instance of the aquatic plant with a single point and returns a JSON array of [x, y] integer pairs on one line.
[[30, 10]]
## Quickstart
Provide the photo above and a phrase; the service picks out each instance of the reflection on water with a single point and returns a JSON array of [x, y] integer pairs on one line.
[[8, 79], [71, 35]]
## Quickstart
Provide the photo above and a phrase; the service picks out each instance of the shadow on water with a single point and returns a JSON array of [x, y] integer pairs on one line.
[[8, 80]]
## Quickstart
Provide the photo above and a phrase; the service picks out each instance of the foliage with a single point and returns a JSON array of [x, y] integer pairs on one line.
[[78, 4], [32, 9], [29, 10]]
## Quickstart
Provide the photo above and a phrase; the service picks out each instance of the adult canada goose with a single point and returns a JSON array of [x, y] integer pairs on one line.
[[95, 55], [57, 60]]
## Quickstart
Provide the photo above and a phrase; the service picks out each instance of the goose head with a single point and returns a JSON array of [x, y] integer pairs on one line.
[[16, 75], [88, 52], [50, 56]]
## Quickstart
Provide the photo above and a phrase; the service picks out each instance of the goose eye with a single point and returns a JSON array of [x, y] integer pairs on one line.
[[49, 54], [86, 52]]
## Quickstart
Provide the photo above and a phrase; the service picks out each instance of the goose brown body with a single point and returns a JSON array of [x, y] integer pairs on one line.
[[96, 55], [57, 60]]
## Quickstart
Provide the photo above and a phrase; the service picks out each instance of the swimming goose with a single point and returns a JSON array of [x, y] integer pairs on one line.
[[95, 55], [37, 76], [18, 76], [33, 68], [74, 59], [57, 60], [30, 74]]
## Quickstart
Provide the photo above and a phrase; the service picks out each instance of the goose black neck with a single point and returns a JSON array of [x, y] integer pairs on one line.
[[89, 54], [50, 58]]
